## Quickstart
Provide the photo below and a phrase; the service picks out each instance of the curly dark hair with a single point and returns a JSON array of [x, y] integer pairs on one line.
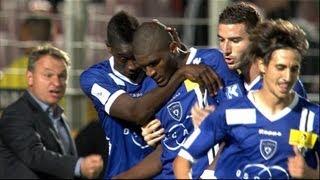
[[121, 28], [241, 12], [272, 35]]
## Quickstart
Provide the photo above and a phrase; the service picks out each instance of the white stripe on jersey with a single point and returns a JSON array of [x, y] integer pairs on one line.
[[183, 153], [210, 154], [306, 120], [191, 138], [240, 116], [202, 98], [111, 99], [100, 93], [310, 121], [303, 119], [117, 80]]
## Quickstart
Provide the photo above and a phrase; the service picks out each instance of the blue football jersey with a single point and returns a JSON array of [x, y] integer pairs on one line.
[[233, 85], [257, 83], [175, 116], [257, 143], [103, 84]]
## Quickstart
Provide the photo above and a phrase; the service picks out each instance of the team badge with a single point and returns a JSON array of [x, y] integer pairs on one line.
[[175, 110], [268, 148]]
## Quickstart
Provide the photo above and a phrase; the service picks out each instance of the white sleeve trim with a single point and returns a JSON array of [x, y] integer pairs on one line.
[[186, 155], [208, 174], [111, 99]]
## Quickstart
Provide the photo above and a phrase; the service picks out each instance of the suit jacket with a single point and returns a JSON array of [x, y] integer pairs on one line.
[[29, 145]]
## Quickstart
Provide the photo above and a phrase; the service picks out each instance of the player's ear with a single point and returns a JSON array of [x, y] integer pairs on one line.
[[173, 47], [262, 66], [109, 48], [29, 76]]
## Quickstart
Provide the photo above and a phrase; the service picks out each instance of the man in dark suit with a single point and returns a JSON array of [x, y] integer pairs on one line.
[[35, 140]]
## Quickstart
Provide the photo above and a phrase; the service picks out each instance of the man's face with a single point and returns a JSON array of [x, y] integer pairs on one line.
[[233, 41], [125, 62], [282, 72], [158, 65], [48, 79]]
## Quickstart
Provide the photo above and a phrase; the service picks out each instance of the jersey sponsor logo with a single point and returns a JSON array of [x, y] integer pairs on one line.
[[268, 148], [136, 139], [175, 137], [100, 93], [261, 171], [269, 133], [175, 96], [175, 110], [233, 91]]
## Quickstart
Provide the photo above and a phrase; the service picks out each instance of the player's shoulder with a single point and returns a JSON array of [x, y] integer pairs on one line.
[[96, 74], [209, 52], [236, 103], [306, 103], [98, 68], [210, 56]]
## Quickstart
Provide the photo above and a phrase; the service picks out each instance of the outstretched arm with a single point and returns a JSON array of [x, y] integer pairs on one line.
[[140, 110]]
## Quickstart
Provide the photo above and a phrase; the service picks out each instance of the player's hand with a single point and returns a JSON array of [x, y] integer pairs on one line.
[[298, 168], [174, 33], [153, 132], [91, 166], [199, 114], [203, 75]]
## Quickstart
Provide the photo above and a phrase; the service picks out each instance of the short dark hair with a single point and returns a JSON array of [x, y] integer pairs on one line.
[[121, 28], [151, 36], [46, 49], [275, 34], [241, 12]]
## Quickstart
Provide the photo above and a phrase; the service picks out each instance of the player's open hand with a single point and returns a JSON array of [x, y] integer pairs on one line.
[[199, 114], [153, 132]]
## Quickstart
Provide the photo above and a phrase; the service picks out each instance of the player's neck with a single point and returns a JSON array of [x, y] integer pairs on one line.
[[270, 102], [182, 58], [251, 73]]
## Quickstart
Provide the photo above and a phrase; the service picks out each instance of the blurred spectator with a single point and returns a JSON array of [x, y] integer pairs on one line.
[[308, 18], [32, 29]]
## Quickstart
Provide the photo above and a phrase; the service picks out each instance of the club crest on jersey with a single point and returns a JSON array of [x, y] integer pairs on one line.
[[233, 91], [268, 148], [136, 139], [175, 110], [175, 137]]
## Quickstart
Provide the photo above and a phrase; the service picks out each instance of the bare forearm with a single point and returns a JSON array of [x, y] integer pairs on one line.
[[147, 168], [181, 168], [141, 109]]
